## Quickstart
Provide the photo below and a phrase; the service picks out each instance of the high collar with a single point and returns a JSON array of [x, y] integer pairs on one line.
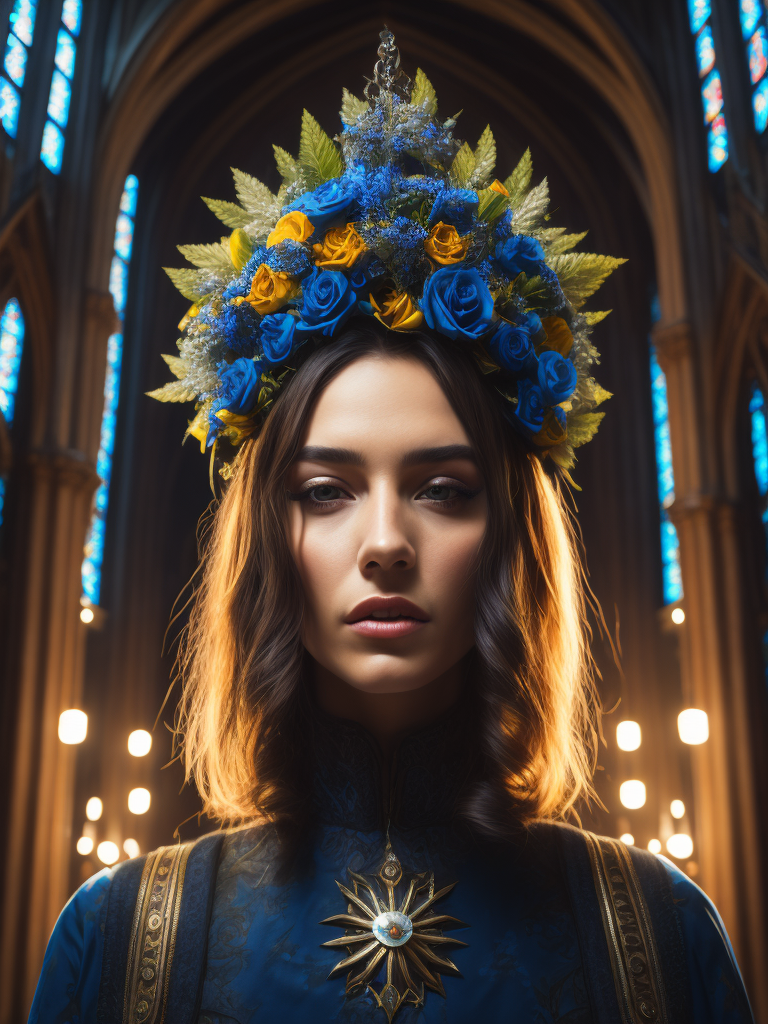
[[354, 787]]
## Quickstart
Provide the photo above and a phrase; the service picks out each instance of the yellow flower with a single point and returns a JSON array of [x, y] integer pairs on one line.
[[271, 289], [192, 311], [240, 249], [237, 427], [340, 248], [551, 432], [496, 186], [445, 245], [397, 311], [293, 227], [559, 337]]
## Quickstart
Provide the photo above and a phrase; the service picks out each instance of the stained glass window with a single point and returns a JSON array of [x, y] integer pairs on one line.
[[672, 580], [118, 281], [754, 29], [21, 29], [52, 149], [700, 18], [11, 345]]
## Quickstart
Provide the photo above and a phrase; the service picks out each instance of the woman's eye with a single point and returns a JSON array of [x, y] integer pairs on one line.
[[324, 492], [440, 492]]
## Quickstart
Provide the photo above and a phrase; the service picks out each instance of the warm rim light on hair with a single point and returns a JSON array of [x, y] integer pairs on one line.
[[107, 852], [693, 726], [73, 726], [94, 809], [628, 735], [677, 809], [139, 743], [680, 845], [654, 846], [632, 794], [84, 845], [139, 800], [627, 838]]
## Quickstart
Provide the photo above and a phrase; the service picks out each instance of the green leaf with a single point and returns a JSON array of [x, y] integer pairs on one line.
[[491, 204], [423, 93], [231, 214], [530, 213], [600, 395], [209, 257], [320, 159], [174, 391], [179, 367], [562, 455], [193, 284], [582, 273], [596, 316], [252, 193], [286, 165], [583, 427], [485, 158], [351, 107], [565, 242], [463, 166], [519, 181]]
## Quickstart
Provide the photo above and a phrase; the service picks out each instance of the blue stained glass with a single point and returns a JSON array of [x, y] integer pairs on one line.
[[712, 96], [71, 15], [15, 60], [670, 561], [23, 20], [118, 283], [698, 12], [52, 148], [750, 12], [11, 345], [124, 236], [759, 439], [2, 498], [66, 48], [670, 547], [130, 193], [58, 99], [760, 106], [705, 51], [757, 53], [9, 107], [717, 143]]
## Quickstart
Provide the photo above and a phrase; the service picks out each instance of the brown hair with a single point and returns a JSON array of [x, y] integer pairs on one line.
[[242, 660]]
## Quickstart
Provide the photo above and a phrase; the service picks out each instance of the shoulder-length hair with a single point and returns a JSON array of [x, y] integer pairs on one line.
[[243, 665]]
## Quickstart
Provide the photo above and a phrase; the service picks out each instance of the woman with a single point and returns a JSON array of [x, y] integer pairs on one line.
[[386, 682]]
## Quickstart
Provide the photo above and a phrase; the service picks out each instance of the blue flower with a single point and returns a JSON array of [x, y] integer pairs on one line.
[[557, 377], [521, 254], [456, 302], [512, 347], [529, 413], [457, 206], [239, 385], [277, 331], [292, 257], [239, 326], [329, 299], [329, 204]]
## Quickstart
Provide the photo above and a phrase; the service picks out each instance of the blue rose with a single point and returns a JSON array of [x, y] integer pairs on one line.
[[556, 376], [277, 331], [239, 385], [456, 302], [328, 204], [512, 347], [529, 413], [328, 300], [521, 254], [457, 206]]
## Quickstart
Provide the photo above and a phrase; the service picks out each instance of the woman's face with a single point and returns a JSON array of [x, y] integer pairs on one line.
[[387, 515]]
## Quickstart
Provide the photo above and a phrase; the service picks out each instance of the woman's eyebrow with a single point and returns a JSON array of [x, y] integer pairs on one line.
[[442, 454], [416, 457], [319, 453]]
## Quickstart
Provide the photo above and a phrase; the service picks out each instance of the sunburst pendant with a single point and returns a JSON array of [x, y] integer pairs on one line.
[[407, 937]]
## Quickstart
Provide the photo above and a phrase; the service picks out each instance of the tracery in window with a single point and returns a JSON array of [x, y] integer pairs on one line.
[[700, 18], [21, 30], [60, 95], [118, 281]]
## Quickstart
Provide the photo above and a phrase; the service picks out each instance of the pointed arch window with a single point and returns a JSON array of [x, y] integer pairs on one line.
[[21, 30], [672, 579], [11, 346], [759, 430], [700, 19], [754, 30], [118, 286], [52, 149]]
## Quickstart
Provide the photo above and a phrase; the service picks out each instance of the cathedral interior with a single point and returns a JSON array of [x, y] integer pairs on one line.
[[648, 117]]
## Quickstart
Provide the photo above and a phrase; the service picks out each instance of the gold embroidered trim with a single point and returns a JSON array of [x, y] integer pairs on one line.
[[153, 935], [629, 932]]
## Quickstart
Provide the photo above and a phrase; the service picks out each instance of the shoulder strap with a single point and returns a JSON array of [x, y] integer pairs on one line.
[[631, 940], [156, 935]]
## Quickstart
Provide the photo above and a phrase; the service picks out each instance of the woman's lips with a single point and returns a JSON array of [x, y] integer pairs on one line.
[[410, 617]]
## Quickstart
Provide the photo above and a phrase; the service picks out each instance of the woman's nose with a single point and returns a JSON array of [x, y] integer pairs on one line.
[[385, 543]]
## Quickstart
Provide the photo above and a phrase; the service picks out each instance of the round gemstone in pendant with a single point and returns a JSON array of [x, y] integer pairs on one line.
[[392, 928]]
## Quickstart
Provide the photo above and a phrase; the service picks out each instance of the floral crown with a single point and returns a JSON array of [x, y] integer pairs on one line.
[[395, 219]]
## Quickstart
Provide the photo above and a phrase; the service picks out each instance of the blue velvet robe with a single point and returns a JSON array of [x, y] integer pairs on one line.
[[265, 961]]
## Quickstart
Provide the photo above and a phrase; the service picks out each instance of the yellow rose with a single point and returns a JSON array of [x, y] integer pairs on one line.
[[551, 432], [271, 289], [496, 186], [397, 311], [293, 227], [559, 337], [340, 248], [445, 245]]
